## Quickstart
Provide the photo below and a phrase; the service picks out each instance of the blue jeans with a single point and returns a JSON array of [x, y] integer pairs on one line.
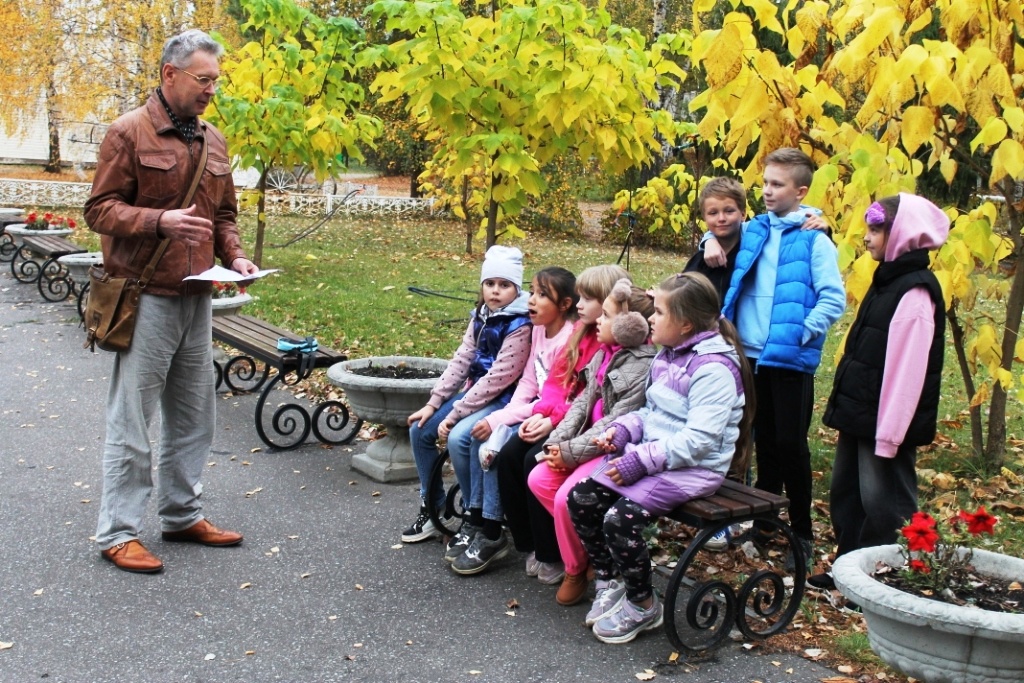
[[424, 450], [479, 488]]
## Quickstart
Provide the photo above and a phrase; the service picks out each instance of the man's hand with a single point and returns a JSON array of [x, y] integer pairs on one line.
[[245, 267], [714, 255], [184, 226]]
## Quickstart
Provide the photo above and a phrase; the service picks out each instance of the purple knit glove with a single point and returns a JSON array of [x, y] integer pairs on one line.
[[630, 468], [620, 438]]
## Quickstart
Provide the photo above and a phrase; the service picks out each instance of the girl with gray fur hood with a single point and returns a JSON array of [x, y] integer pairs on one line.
[[681, 445], [615, 379]]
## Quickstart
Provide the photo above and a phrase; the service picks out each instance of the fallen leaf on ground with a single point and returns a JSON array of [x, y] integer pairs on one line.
[[845, 669], [210, 656], [5, 646], [250, 652], [645, 675], [359, 587], [38, 592], [247, 584]]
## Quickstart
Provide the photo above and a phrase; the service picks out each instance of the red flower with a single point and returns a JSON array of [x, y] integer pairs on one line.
[[921, 535], [71, 223], [31, 217], [48, 216], [981, 522], [924, 519], [920, 566]]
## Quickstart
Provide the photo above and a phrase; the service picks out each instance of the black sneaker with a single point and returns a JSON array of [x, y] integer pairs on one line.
[[421, 529], [461, 541], [822, 581], [480, 554]]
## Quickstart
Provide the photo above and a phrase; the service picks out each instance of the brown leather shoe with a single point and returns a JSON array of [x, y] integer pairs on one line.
[[132, 556], [573, 589], [204, 533]]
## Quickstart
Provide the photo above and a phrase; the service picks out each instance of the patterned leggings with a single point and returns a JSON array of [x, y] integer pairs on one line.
[[611, 529]]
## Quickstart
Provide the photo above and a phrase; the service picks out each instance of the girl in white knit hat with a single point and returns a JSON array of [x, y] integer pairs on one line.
[[480, 379]]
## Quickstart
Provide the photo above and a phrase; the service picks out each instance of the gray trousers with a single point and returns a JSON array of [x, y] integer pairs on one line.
[[169, 365]]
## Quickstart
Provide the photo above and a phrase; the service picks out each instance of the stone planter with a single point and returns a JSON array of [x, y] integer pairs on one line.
[[19, 231], [933, 641], [389, 402], [230, 305], [78, 265]]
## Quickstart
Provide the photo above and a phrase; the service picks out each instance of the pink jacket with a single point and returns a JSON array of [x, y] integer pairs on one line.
[[543, 354], [919, 224], [555, 396]]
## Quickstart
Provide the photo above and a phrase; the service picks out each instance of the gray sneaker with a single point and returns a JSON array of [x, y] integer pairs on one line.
[[480, 554], [550, 573], [460, 541], [628, 622], [609, 598]]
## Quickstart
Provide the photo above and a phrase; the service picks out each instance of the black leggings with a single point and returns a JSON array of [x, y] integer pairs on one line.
[[532, 527], [611, 528]]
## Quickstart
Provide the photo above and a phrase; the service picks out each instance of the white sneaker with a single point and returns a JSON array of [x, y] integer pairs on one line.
[[532, 564], [421, 529], [718, 542], [609, 598], [629, 621]]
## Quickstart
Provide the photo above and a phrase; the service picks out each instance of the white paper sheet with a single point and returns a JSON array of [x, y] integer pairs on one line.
[[222, 274]]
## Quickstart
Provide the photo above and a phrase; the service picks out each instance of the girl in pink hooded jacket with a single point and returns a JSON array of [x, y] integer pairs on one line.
[[885, 396]]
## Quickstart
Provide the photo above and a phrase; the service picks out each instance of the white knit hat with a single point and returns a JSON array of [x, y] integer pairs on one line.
[[503, 262]]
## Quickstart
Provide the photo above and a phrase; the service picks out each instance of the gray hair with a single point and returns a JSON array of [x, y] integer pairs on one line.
[[178, 49]]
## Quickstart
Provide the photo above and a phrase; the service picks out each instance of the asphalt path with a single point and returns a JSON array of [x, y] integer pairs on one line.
[[320, 590]]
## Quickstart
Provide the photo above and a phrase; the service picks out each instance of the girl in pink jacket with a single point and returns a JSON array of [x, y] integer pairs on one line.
[[885, 396]]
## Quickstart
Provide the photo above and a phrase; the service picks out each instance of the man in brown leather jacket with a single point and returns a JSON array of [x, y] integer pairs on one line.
[[146, 165]]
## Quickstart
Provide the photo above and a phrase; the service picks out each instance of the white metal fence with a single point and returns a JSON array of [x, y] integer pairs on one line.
[[49, 193]]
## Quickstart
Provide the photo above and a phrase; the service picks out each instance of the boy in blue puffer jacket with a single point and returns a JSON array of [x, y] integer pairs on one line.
[[785, 293]]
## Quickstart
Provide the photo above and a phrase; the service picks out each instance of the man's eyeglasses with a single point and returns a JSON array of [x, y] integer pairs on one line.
[[203, 81]]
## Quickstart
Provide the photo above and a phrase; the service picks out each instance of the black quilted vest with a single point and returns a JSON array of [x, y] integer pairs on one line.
[[853, 406]]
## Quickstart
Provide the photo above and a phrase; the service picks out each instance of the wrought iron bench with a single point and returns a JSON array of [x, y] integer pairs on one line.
[[36, 261], [290, 423], [701, 611]]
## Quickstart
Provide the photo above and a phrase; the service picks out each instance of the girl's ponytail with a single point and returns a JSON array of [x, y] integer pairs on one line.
[[744, 444]]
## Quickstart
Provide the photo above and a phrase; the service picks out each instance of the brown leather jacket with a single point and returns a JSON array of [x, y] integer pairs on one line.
[[145, 169]]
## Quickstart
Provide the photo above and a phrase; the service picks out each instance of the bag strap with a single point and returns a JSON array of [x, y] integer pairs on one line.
[[150, 268]]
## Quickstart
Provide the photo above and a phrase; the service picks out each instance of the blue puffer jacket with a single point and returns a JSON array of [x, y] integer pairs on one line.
[[797, 290]]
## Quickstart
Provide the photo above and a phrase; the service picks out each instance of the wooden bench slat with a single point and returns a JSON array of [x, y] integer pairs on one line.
[[258, 338], [51, 246]]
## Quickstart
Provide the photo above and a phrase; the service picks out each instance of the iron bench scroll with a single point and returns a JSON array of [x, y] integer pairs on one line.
[[765, 603], [36, 261], [331, 421]]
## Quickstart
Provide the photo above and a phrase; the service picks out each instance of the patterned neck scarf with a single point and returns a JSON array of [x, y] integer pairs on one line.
[[186, 128]]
